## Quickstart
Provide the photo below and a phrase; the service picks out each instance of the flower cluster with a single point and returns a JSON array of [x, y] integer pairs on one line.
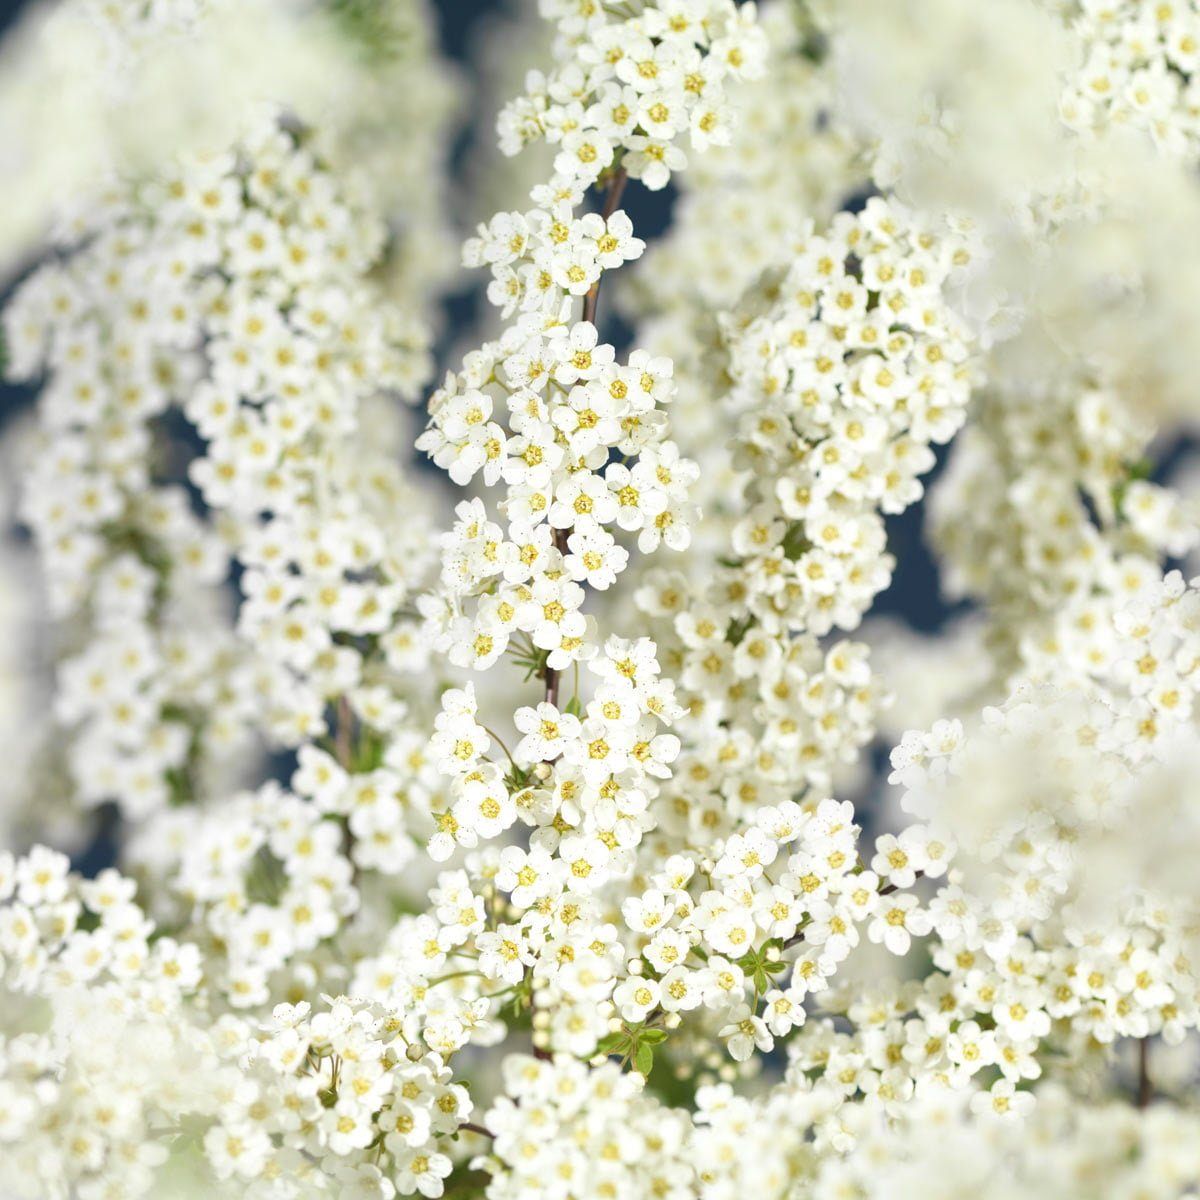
[[1045, 514], [96, 88], [743, 205], [341, 1096], [843, 369], [846, 367], [297, 343], [1139, 71], [544, 410], [634, 87], [268, 883], [572, 873], [1054, 911], [593, 1132], [743, 208], [941, 1149], [113, 1011], [347, 1094], [233, 289]]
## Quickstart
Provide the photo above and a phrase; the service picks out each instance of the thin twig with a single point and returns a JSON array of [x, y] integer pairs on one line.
[[471, 1127], [616, 186], [497, 738], [889, 888], [1145, 1090], [341, 746]]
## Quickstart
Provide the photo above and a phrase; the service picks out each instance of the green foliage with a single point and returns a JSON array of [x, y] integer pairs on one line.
[[525, 654], [1143, 468], [760, 966], [379, 27], [635, 1044], [643, 1058], [737, 630], [795, 542]]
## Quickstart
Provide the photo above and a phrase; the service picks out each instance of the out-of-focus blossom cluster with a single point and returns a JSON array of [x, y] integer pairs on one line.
[[232, 289], [94, 87]]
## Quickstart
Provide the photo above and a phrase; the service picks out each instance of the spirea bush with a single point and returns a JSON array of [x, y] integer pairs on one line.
[[464, 755]]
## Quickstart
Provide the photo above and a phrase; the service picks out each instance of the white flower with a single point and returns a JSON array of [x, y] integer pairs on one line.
[[595, 558], [636, 997], [680, 990], [546, 732], [421, 1170], [743, 1031], [896, 921], [1003, 1102]]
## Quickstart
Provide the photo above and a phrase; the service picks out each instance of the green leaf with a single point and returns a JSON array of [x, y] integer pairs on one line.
[[517, 779], [370, 750], [653, 1036], [795, 541], [614, 1043], [1139, 469], [643, 1060], [573, 707], [737, 630]]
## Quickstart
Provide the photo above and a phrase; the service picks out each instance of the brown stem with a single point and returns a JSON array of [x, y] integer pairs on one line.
[[343, 751], [889, 888], [612, 198], [471, 1127], [616, 186], [1145, 1088], [552, 675], [341, 745]]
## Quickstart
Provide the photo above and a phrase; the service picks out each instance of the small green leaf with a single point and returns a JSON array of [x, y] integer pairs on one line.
[[653, 1036], [643, 1060], [795, 541], [613, 1043], [737, 630]]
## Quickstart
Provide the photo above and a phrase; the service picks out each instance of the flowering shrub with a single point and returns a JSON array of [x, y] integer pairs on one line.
[[477, 789]]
